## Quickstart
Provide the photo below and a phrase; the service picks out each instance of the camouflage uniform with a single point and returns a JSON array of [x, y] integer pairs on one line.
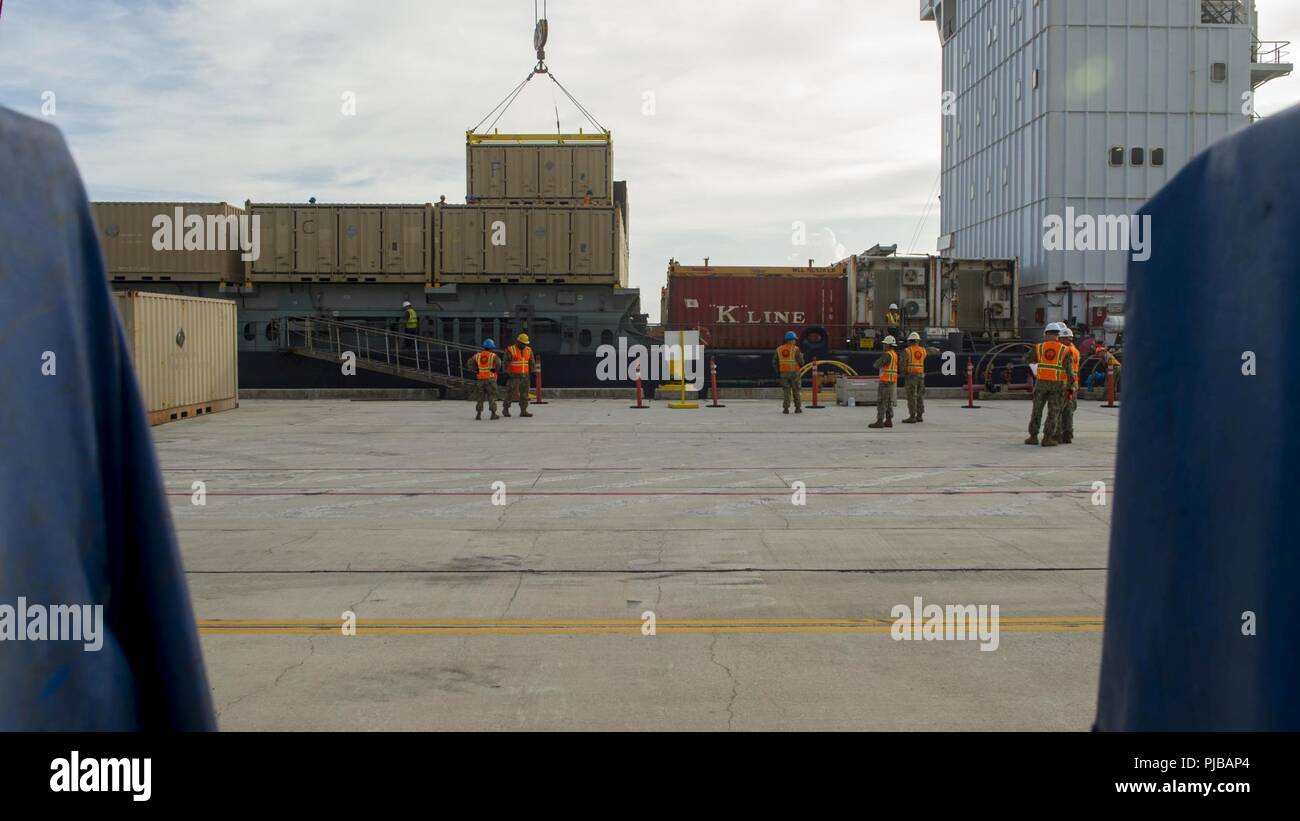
[[517, 383], [886, 392], [791, 389], [1050, 395], [915, 384], [484, 390], [1070, 404]]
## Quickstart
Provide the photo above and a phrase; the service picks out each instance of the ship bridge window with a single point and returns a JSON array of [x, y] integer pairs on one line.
[[607, 337], [1139, 156], [1157, 157], [584, 338], [1218, 72], [1117, 155], [948, 19]]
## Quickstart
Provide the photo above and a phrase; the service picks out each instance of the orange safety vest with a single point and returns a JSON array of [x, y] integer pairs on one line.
[[1074, 352], [788, 357], [889, 375], [916, 359], [520, 360], [1051, 358], [487, 364]]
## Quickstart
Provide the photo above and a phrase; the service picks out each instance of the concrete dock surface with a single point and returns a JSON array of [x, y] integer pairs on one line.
[[501, 573]]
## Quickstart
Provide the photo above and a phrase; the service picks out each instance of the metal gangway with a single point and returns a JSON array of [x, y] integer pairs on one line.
[[420, 358]]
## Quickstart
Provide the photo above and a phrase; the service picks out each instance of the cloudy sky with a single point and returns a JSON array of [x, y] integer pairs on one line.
[[731, 120]]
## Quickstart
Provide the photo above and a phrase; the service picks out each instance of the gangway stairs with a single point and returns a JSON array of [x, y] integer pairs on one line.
[[419, 358]]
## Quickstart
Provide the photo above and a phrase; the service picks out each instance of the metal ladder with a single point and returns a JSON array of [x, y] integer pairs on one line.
[[410, 356]]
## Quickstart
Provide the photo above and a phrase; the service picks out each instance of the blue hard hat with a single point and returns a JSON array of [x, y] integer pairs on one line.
[[790, 336], [489, 344]]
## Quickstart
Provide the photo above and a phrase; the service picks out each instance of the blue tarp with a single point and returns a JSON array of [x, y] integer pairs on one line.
[[1207, 498], [83, 519]]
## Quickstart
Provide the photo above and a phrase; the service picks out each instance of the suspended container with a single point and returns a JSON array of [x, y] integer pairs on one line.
[[539, 169], [184, 351]]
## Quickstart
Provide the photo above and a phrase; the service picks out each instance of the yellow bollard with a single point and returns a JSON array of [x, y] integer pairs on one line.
[[683, 404]]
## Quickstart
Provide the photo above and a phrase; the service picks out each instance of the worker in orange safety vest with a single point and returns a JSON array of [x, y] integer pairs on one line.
[[519, 366], [484, 367]]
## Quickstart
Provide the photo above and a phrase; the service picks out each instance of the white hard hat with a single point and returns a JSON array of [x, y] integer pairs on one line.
[[893, 306], [913, 337], [1066, 332], [889, 340], [405, 304], [1052, 328]]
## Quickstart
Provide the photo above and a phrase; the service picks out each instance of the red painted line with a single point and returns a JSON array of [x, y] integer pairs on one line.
[[782, 492]]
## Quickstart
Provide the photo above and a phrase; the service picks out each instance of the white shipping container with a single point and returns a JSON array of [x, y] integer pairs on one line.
[[184, 350]]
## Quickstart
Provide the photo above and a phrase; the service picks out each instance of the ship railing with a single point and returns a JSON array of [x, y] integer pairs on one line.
[[436, 360], [1272, 52]]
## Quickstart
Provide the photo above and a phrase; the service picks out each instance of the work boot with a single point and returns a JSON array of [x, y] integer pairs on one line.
[[876, 425], [889, 423], [494, 416], [525, 415], [1067, 439], [1032, 440], [1049, 442], [478, 415], [798, 410], [505, 412], [920, 419], [786, 411], [910, 421]]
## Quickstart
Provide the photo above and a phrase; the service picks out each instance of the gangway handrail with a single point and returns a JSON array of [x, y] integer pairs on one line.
[[437, 359]]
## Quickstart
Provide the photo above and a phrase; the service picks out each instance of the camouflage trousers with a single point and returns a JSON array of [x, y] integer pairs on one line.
[[484, 390], [1052, 396], [791, 390], [516, 391], [915, 395], [885, 401], [1068, 407]]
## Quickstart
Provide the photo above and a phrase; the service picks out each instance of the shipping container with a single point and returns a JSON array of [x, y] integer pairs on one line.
[[184, 351], [302, 242], [880, 281], [936, 295], [151, 241], [521, 169], [978, 297], [513, 244], [753, 307]]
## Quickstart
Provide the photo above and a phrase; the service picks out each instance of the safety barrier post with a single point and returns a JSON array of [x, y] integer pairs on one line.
[[817, 378], [538, 370], [970, 387], [640, 394], [713, 383], [1110, 387]]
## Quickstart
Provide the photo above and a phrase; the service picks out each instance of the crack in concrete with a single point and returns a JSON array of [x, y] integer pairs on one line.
[[735, 686], [518, 584], [311, 644]]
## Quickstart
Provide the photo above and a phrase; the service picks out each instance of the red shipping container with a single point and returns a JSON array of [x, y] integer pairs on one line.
[[755, 312]]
